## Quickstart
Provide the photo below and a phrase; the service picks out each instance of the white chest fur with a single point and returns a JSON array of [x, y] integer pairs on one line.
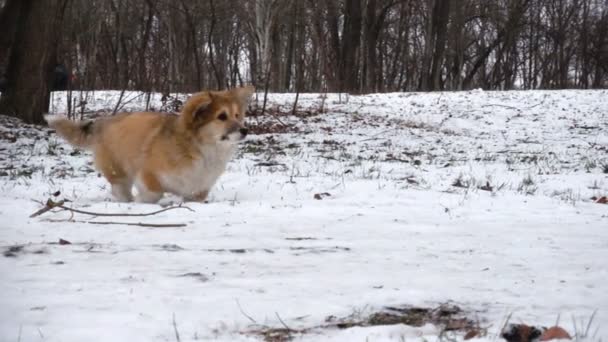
[[202, 174]]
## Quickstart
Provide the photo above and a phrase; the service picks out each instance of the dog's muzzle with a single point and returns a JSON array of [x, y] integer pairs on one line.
[[235, 135]]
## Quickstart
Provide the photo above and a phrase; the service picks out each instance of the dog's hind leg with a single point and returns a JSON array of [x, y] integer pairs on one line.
[[121, 183], [121, 190], [197, 197], [148, 188]]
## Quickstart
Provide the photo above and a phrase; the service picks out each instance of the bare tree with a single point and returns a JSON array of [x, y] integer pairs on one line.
[[310, 46], [36, 30]]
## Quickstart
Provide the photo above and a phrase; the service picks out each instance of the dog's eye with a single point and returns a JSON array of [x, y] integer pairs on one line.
[[237, 115], [223, 117]]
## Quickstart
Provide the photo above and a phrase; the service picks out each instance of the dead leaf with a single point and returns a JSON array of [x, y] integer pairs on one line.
[[322, 195], [555, 333], [602, 200], [520, 333], [471, 334], [486, 187], [195, 275]]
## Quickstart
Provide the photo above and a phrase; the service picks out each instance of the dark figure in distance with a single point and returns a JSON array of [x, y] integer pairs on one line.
[[3, 83], [60, 79]]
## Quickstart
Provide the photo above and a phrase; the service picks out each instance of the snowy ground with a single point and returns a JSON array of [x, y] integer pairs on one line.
[[480, 199]]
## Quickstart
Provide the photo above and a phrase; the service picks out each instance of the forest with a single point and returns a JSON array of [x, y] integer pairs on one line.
[[355, 46], [404, 170]]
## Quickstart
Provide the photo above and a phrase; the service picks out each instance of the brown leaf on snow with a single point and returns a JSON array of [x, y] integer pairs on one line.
[[601, 200], [486, 187], [555, 333], [520, 333], [471, 334], [322, 195]]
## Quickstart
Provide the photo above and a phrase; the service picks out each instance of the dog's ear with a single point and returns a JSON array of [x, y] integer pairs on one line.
[[243, 94], [196, 107], [202, 107]]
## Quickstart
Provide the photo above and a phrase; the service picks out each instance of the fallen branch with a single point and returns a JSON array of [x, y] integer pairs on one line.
[[274, 112], [511, 107], [50, 204], [499, 105], [139, 224], [269, 164]]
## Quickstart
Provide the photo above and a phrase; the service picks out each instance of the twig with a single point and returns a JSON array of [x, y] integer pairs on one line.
[[499, 105], [376, 135], [175, 329], [586, 333], [266, 85], [507, 319], [536, 105], [139, 224], [439, 98], [510, 107], [244, 314], [50, 204], [120, 97], [284, 325], [276, 117], [123, 215], [295, 102], [120, 104], [323, 97], [269, 164], [575, 328]]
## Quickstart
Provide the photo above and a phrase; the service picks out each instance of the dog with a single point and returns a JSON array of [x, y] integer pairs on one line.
[[161, 153]]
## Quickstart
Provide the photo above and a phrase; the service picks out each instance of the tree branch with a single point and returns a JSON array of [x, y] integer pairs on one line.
[[50, 204]]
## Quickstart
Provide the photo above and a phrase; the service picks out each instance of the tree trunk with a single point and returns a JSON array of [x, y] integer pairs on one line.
[[263, 30], [8, 24], [291, 48], [351, 38], [275, 59], [30, 64], [457, 42], [440, 28]]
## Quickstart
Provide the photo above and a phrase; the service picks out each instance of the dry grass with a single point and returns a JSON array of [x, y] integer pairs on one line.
[[447, 317]]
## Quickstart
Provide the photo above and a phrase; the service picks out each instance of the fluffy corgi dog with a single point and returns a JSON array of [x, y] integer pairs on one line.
[[158, 152]]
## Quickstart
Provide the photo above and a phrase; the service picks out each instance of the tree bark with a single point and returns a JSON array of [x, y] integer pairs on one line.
[[30, 65], [8, 23], [440, 28], [351, 39]]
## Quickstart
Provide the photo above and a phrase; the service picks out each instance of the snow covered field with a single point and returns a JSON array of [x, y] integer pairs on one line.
[[357, 203]]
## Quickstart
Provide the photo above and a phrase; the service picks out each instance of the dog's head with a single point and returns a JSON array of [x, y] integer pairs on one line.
[[217, 116]]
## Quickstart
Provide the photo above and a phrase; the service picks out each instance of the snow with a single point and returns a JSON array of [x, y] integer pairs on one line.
[[394, 230]]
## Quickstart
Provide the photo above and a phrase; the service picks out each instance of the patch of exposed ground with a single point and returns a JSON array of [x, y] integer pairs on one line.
[[448, 318]]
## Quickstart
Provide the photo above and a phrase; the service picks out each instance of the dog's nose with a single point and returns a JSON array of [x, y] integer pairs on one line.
[[244, 131]]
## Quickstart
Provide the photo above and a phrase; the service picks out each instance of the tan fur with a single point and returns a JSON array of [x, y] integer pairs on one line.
[[160, 152], [75, 134]]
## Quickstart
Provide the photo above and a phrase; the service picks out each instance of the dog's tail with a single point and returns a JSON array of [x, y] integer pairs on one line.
[[79, 134]]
